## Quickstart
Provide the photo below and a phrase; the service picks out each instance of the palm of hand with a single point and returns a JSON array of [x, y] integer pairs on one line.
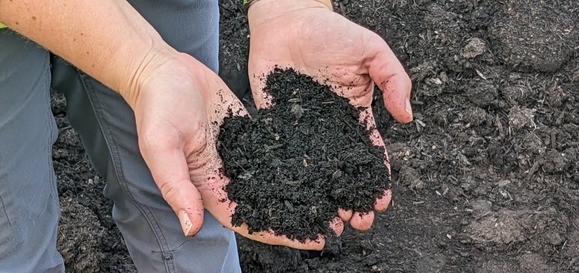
[[335, 51]]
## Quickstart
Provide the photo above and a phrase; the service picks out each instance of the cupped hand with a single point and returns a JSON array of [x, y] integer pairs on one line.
[[179, 106], [309, 37]]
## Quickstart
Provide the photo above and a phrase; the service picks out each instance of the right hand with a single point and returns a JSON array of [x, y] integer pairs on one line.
[[179, 105], [309, 37]]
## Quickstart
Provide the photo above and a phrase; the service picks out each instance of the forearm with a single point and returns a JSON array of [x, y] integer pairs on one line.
[[107, 39]]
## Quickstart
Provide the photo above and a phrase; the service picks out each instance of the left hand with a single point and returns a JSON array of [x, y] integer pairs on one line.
[[309, 37], [179, 105]]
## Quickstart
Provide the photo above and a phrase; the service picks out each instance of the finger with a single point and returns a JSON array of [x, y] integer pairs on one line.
[[337, 225], [345, 215], [190, 217], [268, 237], [170, 172], [282, 240], [382, 203], [367, 119], [388, 73], [362, 221]]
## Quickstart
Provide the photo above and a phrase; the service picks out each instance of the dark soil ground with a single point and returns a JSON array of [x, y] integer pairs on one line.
[[486, 179]]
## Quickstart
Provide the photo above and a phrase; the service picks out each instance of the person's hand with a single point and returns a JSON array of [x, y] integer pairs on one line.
[[307, 36], [179, 105]]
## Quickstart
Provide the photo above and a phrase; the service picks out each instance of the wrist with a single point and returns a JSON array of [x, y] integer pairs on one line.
[[139, 71], [263, 10], [163, 71]]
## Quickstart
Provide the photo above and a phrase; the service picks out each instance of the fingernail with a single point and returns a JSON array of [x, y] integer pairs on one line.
[[408, 108], [186, 223]]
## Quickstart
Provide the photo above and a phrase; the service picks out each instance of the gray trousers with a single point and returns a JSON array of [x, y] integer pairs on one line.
[[28, 197]]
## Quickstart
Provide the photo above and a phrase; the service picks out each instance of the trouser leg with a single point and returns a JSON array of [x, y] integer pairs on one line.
[[29, 208], [107, 128]]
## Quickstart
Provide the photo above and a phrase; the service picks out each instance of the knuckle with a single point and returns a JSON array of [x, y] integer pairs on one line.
[[169, 192]]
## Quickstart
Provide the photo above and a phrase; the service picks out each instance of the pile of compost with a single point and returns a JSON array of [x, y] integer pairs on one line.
[[294, 164]]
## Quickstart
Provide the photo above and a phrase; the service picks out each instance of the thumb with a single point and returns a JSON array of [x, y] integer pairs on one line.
[[387, 72], [169, 169]]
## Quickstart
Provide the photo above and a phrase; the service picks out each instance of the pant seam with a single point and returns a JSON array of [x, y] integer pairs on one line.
[[53, 133], [117, 165]]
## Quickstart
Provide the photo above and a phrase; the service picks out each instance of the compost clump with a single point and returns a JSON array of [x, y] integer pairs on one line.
[[294, 164]]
